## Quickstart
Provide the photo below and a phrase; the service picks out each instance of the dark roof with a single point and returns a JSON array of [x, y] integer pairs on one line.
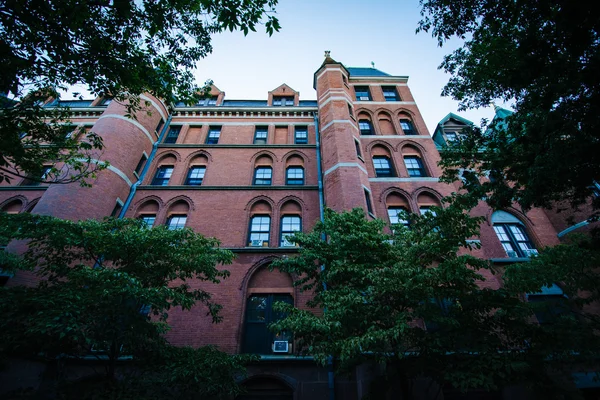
[[361, 71], [244, 103], [70, 103], [253, 103]]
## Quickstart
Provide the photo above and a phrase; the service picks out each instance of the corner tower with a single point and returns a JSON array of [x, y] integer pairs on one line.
[[345, 178]]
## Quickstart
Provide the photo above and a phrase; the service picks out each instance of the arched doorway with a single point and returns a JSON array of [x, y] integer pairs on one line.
[[266, 288], [265, 388]]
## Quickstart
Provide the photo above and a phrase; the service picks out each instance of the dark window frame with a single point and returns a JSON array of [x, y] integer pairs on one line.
[[282, 232], [259, 232], [262, 130], [161, 180], [396, 210], [422, 172], [411, 131], [210, 138], [359, 92], [384, 172], [513, 241], [358, 148], [173, 134], [176, 226], [299, 139], [368, 201], [294, 181], [141, 164], [255, 179], [195, 181], [390, 89], [365, 132]]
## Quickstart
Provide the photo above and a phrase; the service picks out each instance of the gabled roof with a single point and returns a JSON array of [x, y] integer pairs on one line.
[[454, 117], [362, 71], [283, 87]]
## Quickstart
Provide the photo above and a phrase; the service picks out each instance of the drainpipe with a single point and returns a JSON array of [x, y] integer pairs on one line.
[[133, 188], [330, 372]]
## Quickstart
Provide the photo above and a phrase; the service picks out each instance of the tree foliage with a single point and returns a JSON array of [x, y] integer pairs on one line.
[[116, 49], [418, 302], [543, 56], [106, 288]]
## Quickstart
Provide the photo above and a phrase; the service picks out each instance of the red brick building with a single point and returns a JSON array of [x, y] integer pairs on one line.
[[249, 172]]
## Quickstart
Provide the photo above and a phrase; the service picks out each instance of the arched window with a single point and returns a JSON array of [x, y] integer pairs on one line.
[[512, 234], [291, 222], [196, 170], [426, 201], [259, 232], [263, 175], [382, 162], [294, 176], [177, 215], [413, 162], [365, 125], [408, 128], [147, 212], [13, 207], [263, 171], [164, 171], [397, 207]]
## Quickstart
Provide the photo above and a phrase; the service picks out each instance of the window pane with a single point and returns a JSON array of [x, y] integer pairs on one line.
[[396, 215], [195, 176], [260, 226], [176, 222], [163, 174], [148, 220], [173, 134], [262, 176], [414, 166], [213, 135], [365, 127], [427, 210], [362, 93], [289, 225], [295, 176], [257, 309], [301, 135]]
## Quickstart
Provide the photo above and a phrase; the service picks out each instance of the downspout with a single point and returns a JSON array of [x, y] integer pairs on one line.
[[330, 372], [134, 187]]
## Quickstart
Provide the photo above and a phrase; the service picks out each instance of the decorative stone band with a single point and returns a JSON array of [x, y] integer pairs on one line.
[[345, 164], [156, 106], [132, 121], [417, 179], [339, 121], [112, 168], [572, 228]]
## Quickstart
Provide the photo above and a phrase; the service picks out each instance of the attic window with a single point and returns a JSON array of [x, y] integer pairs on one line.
[[207, 101], [283, 101]]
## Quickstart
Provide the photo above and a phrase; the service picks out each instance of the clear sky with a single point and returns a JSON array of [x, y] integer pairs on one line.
[[356, 33]]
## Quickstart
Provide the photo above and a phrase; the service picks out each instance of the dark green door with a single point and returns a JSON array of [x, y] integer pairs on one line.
[[259, 314]]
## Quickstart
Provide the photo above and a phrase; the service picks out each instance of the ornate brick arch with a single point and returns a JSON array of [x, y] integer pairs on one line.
[[199, 153], [256, 199], [19, 198], [264, 153], [184, 198]]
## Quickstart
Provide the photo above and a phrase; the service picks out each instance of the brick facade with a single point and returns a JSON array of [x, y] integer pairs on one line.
[[223, 205]]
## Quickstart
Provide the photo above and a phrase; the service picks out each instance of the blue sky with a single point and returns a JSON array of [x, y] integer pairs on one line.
[[356, 33]]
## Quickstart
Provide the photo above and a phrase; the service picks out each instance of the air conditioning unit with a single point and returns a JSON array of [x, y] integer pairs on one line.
[[531, 252], [256, 243], [281, 346], [512, 254]]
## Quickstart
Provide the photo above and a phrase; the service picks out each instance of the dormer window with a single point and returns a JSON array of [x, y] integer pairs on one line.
[[207, 102], [283, 101]]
